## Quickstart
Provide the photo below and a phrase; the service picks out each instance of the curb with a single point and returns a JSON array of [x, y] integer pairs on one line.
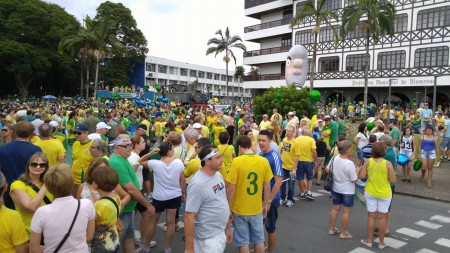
[[422, 197]]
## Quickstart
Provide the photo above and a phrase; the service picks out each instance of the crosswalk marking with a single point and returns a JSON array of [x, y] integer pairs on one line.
[[443, 242], [410, 232], [361, 250], [426, 251], [315, 194], [327, 192], [440, 218], [428, 224], [391, 242]]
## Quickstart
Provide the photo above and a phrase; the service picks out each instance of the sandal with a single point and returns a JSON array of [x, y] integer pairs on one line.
[[334, 232], [368, 244], [382, 246], [345, 235]]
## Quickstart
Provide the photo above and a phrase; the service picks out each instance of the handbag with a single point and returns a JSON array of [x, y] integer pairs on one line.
[[66, 236], [119, 224], [328, 184]]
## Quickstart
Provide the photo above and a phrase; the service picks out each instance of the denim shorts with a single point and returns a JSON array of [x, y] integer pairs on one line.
[[445, 143], [360, 154], [428, 154], [347, 200], [127, 219], [272, 216], [305, 167], [248, 229]]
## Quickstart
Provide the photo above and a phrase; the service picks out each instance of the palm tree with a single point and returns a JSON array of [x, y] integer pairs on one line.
[[225, 43], [320, 15], [379, 20], [81, 44], [239, 73]]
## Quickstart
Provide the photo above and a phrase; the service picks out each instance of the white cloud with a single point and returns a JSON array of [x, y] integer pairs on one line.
[[179, 29]]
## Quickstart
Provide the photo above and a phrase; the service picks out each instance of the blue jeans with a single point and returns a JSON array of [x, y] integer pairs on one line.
[[291, 186]]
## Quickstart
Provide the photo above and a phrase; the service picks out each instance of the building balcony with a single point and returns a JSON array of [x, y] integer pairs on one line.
[[266, 77], [267, 55], [266, 25], [255, 8], [275, 28]]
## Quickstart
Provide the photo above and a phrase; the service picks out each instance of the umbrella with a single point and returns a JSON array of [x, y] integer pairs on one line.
[[49, 97]]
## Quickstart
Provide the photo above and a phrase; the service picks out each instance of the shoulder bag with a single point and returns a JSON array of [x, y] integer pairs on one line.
[[66, 236], [328, 184]]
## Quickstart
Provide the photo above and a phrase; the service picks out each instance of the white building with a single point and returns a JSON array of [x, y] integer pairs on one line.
[[411, 61], [163, 72]]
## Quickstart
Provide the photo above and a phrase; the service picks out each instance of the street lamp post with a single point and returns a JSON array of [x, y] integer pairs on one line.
[[434, 91], [389, 98]]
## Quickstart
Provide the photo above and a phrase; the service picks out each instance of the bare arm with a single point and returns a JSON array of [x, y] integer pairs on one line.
[[22, 248], [137, 195], [183, 186], [35, 243], [363, 171], [392, 176], [124, 196], [61, 159], [189, 225], [90, 230], [231, 189], [276, 187], [25, 202], [266, 199]]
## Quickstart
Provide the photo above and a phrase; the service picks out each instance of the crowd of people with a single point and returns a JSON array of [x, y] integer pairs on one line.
[[74, 173]]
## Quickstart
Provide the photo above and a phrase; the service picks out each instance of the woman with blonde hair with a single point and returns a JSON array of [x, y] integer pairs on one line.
[[29, 192], [276, 129], [175, 138], [8, 134], [12, 235], [65, 218]]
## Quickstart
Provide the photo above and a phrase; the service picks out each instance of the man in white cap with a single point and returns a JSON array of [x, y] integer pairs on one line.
[[100, 132], [198, 127], [292, 121]]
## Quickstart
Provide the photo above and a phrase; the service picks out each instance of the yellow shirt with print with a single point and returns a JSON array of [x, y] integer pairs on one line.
[[158, 128], [81, 157], [241, 122], [440, 121], [305, 145], [227, 152], [288, 152], [193, 166], [205, 131], [12, 232], [52, 149], [248, 172], [216, 131], [27, 216], [211, 120]]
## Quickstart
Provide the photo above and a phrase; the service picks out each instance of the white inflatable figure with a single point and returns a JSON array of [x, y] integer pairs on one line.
[[296, 66]]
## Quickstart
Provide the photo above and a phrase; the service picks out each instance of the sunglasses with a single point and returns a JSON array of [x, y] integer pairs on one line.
[[78, 133], [125, 146], [41, 165], [197, 147], [5, 130]]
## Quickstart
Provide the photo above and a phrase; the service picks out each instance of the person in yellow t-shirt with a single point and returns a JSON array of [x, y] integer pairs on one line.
[[11, 117], [289, 158], [13, 238], [158, 129], [211, 118], [29, 192], [265, 123], [226, 151], [216, 130], [81, 153], [307, 158], [248, 180], [194, 164], [52, 148]]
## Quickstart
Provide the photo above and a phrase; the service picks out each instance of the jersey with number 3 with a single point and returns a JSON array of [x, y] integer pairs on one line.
[[248, 172], [407, 143]]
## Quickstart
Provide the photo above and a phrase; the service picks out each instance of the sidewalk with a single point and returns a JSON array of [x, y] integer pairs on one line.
[[441, 184]]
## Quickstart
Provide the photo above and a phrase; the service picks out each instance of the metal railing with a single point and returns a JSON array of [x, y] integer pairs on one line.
[[267, 25], [266, 51], [267, 77], [253, 3]]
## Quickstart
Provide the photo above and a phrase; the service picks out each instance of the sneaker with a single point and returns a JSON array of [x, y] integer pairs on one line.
[[302, 196], [282, 202], [142, 250], [289, 203], [169, 250], [309, 196], [152, 244]]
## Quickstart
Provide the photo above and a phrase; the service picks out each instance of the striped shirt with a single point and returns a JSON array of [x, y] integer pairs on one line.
[[276, 165]]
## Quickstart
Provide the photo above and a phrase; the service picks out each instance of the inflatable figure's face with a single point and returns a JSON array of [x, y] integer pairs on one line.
[[296, 66]]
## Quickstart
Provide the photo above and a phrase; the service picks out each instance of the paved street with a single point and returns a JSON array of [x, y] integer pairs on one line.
[[418, 225]]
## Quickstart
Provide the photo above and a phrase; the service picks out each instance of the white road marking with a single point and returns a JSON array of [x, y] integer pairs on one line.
[[361, 250], [428, 224], [391, 242], [410, 232], [329, 193], [440, 218], [315, 194], [443, 242], [426, 251]]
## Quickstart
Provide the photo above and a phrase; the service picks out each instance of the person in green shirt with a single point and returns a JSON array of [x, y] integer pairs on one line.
[[332, 126], [416, 123], [342, 126], [395, 134], [129, 181]]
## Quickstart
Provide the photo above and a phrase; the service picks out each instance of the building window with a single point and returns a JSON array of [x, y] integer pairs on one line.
[[193, 73], [435, 17], [173, 70], [431, 57], [201, 74], [304, 37], [356, 62], [286, 42], [401, 23], [310, 65], [162, 69], [230, 79], [287, 16], [151, 67], [223, 78], [209, 75], [300, 5], [391, 60], [216, 77], [327, 34], [329, 64], [183, 72], [359, 32], [332, 5]]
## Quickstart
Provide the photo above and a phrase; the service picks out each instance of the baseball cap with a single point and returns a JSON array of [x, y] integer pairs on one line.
[[196, 125], [188, 117], [320, 120], [102, 125], [291, 113], [327, 118], [81, 127], [142, 127], [53, 123]]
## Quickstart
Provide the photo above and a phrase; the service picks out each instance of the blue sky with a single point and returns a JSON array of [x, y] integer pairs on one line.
[[178, 29]]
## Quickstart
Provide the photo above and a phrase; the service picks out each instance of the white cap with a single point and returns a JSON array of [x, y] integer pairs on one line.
[[53, 123], [188, 117], [290, 113], [197, 125], [102, 125]]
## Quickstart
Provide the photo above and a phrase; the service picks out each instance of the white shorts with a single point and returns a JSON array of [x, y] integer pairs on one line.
[[377, 204], [215, 244]]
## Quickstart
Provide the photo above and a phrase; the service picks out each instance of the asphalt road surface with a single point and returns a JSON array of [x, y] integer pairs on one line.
[[418, 226]]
